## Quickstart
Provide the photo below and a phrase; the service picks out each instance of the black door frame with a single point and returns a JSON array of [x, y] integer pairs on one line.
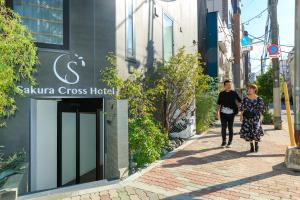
[[77, 106]]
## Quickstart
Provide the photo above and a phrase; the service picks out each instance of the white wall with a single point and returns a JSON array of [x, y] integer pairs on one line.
[[43, 144]]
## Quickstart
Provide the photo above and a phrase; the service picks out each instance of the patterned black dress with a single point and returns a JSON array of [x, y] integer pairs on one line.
[[251, 126]]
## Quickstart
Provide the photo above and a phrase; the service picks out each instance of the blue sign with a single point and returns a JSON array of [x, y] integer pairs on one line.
[[245, 40], [273, 49]]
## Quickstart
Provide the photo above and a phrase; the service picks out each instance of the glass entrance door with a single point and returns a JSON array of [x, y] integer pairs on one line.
[[79, 143]]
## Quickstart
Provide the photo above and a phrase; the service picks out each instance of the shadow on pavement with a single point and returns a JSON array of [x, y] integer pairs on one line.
[[222, 156], [184, 153], [279, 169]]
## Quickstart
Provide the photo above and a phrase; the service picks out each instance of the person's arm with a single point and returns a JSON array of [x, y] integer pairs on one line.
[[239, 100], [242, 111], [218, 111], [218, 106]]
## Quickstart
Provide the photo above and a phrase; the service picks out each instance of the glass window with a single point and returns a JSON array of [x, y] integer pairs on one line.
[[44, 18], [167, 38], [130, 46]]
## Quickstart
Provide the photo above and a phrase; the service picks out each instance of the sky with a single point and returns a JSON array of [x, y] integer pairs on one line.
[[256, 27]]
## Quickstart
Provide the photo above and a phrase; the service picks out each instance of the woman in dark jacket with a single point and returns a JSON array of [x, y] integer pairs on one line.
[[251, 109]]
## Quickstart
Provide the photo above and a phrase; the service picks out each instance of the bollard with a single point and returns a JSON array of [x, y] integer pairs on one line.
[[288, 114]]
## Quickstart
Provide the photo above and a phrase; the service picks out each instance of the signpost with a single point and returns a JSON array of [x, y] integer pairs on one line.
[[274, 51]]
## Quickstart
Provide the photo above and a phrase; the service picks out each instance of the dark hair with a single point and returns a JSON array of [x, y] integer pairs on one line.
[[227, 81]]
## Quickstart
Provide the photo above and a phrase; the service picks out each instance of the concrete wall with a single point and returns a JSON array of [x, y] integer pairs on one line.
[[116, 149]]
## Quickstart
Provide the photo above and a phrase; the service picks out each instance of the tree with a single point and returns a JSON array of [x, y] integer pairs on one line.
[[17, 60], [265, 90], [265, 86], [179, 79], [172, 84], [140, 97]]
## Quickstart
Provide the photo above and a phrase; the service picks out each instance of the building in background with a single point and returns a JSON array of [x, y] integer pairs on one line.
[[225, 9], [230, 34], [202, 30], [290, 72], [220, 39], [61, 124]]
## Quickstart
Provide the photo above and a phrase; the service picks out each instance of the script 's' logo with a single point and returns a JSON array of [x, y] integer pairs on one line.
[[67, 78]]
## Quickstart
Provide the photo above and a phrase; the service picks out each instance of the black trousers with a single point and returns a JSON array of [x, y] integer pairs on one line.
[[227, 122]]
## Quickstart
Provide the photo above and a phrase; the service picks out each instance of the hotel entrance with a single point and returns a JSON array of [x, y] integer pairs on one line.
[[79, 141], [67, 142]]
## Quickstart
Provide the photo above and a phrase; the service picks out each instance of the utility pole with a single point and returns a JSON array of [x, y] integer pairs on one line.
[[237, 45], [247, 67], [261, 66], [297, 72], [272, 6]]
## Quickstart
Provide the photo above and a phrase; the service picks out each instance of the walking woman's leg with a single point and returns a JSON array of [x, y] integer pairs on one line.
[[256, 146], [251, 146]]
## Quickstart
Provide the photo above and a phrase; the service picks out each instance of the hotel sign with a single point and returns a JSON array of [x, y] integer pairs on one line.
[[70, 76]]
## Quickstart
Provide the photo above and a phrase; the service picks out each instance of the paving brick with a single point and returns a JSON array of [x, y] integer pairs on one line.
[[85, 197], [202, 170], [105, 197], [134, 197]]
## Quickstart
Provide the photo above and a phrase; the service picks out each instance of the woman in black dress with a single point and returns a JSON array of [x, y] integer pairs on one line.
[[251, 109]]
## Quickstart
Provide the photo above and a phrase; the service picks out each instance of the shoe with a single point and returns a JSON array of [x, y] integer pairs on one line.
[[251, 147], [228, 145], [256, 147], [223, 144]]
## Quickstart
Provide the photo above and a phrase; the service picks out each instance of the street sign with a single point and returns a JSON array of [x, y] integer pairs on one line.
[[245, 40], [247, 48], [274, 51]]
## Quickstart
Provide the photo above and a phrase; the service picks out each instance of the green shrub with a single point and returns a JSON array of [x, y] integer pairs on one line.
[[268, 117], [264, 83], [17, 60], [206, 101], [205, 111], [146, 140]]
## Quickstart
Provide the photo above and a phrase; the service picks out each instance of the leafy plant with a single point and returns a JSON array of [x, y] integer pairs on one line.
[[146, 139], [265, 90], [179, 78], [172, 85], [265, 85], [140, 98], [206, 101], [17, 60], [268, 117]]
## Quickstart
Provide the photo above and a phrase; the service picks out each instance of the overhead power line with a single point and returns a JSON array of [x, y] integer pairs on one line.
[[257, 16]]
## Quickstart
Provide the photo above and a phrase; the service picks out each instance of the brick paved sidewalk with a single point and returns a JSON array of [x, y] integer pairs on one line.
[[203, 170]]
